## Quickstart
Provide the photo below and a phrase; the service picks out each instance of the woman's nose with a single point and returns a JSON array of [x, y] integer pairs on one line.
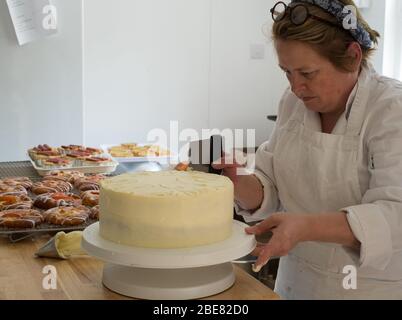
[[298, 85]]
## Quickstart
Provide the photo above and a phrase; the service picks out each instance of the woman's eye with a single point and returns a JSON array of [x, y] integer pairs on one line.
[[307, 75]]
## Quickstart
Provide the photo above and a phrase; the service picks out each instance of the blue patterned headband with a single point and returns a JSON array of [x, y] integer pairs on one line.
[[336, 8]]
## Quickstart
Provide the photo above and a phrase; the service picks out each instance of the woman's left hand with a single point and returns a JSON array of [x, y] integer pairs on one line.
[[287, 231]]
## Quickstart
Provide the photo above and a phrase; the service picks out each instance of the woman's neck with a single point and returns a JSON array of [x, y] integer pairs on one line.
[[329, 120]]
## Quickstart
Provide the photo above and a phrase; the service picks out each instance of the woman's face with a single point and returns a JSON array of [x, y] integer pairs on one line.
[[314, 79]]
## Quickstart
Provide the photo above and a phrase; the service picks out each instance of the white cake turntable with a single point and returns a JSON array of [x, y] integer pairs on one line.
[[167, 274]]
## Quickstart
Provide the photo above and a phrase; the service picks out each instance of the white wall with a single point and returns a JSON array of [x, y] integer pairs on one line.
[[41, 85], [392, 40], [146, 63], [375, 16], [243, 90]]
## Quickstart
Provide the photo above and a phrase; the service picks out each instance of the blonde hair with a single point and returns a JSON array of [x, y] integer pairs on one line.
[[324, 38]]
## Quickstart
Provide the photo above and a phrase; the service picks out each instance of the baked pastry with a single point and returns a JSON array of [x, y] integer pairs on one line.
[[166, 209], [40, 147], [78, 155], [120, 152], [182, 166], [51, 186], [71, 147], [67, 216], [17, 181], [53, 163], [42, 155], [8, 202], [57, 199], [129, 145], [33, 152], [94, 151], [20, 218], [69, 176], [6, 189], [90, 198], [96, 161], [77, 148], [90, 182], [133, 150], [94, 212]]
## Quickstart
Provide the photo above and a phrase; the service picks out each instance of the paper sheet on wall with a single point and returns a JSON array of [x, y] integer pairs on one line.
[[32, 19]]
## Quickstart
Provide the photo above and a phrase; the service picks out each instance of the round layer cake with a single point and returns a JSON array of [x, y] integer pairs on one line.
[[166, 209]]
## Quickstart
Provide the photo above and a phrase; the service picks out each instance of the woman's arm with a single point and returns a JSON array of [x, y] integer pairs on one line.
[[331, 227], [289, 229], [248, 192]]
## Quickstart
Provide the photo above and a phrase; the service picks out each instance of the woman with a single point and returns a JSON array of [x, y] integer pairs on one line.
[[333, 165]]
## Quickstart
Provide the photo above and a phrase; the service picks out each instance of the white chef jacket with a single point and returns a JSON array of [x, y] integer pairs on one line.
[[376, 220]]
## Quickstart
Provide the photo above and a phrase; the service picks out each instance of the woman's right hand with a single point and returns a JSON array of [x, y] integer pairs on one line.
[[229, 164], [248, 190]]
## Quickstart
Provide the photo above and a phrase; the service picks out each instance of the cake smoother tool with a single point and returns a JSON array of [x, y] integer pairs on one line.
[[204, 152]]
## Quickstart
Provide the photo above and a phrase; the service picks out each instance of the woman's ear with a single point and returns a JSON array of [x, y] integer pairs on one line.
[[355, 53]]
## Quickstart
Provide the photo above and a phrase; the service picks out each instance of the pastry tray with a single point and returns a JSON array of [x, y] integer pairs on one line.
[[163, 159], [84, 169]]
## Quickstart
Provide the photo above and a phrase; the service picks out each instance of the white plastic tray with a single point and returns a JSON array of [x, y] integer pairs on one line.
[[84, 169], [163, 160]]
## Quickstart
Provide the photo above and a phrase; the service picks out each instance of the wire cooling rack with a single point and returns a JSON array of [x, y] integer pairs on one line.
[[25, 169]]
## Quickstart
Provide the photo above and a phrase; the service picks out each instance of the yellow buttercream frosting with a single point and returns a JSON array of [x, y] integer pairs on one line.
[[166, 209]]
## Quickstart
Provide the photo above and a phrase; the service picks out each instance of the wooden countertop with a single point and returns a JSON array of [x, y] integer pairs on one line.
[[81, 278]]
